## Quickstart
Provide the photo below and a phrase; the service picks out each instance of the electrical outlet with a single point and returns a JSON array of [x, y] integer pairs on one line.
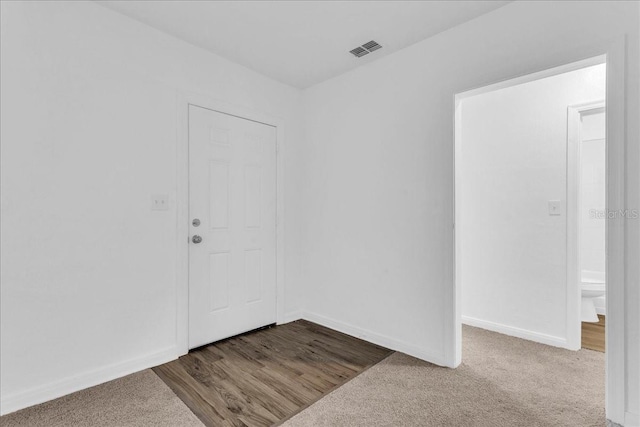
[[555, 207], [159, 202]]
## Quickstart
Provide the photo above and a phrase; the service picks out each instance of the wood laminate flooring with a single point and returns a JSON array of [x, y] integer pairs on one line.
[[593, 335], [264, 377]]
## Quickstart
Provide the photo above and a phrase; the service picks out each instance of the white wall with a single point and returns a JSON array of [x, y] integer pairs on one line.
[[513, 161], [89, 112], [593, 184], [378, 168], [593, 155]]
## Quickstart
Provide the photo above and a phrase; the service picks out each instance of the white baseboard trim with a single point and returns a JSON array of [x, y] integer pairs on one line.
[[36, 395], [631, 419], [291, 317], [516, 332], [375, 338]]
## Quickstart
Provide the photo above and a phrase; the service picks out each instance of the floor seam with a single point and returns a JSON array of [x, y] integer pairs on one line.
[[336, 387]]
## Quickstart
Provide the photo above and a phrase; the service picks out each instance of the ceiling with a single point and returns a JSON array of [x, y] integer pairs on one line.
[[301, 43]]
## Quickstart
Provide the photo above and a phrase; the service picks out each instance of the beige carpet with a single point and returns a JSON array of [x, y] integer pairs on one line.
[[141, 399], [502, 381]]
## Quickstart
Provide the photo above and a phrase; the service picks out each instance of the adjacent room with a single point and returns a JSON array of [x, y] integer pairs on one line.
[[327, 213], [530, 202], [530, 233]]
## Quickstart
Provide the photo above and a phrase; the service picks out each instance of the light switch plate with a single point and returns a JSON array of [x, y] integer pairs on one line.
[[159, 202], [555, 207]]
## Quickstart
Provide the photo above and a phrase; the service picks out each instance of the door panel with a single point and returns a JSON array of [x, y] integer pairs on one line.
[[232, 191]]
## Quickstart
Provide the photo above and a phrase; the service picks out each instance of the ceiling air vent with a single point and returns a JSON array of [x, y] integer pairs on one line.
[[365, 49], [371, 46], [359, 51]]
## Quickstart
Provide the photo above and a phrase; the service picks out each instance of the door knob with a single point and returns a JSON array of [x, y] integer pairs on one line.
[[196, 239]]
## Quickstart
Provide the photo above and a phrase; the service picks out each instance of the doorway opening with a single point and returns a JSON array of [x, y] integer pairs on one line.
[[531, 210], [586, 200]]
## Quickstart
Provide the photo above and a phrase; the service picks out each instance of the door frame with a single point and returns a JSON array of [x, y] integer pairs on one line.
[[574, 323], [614, 53], [184, 100]]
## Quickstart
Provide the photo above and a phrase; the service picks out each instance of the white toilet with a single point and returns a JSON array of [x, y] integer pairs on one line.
[[593, 287]]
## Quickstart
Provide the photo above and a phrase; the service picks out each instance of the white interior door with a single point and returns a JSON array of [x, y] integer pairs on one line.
[[232, 193]]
